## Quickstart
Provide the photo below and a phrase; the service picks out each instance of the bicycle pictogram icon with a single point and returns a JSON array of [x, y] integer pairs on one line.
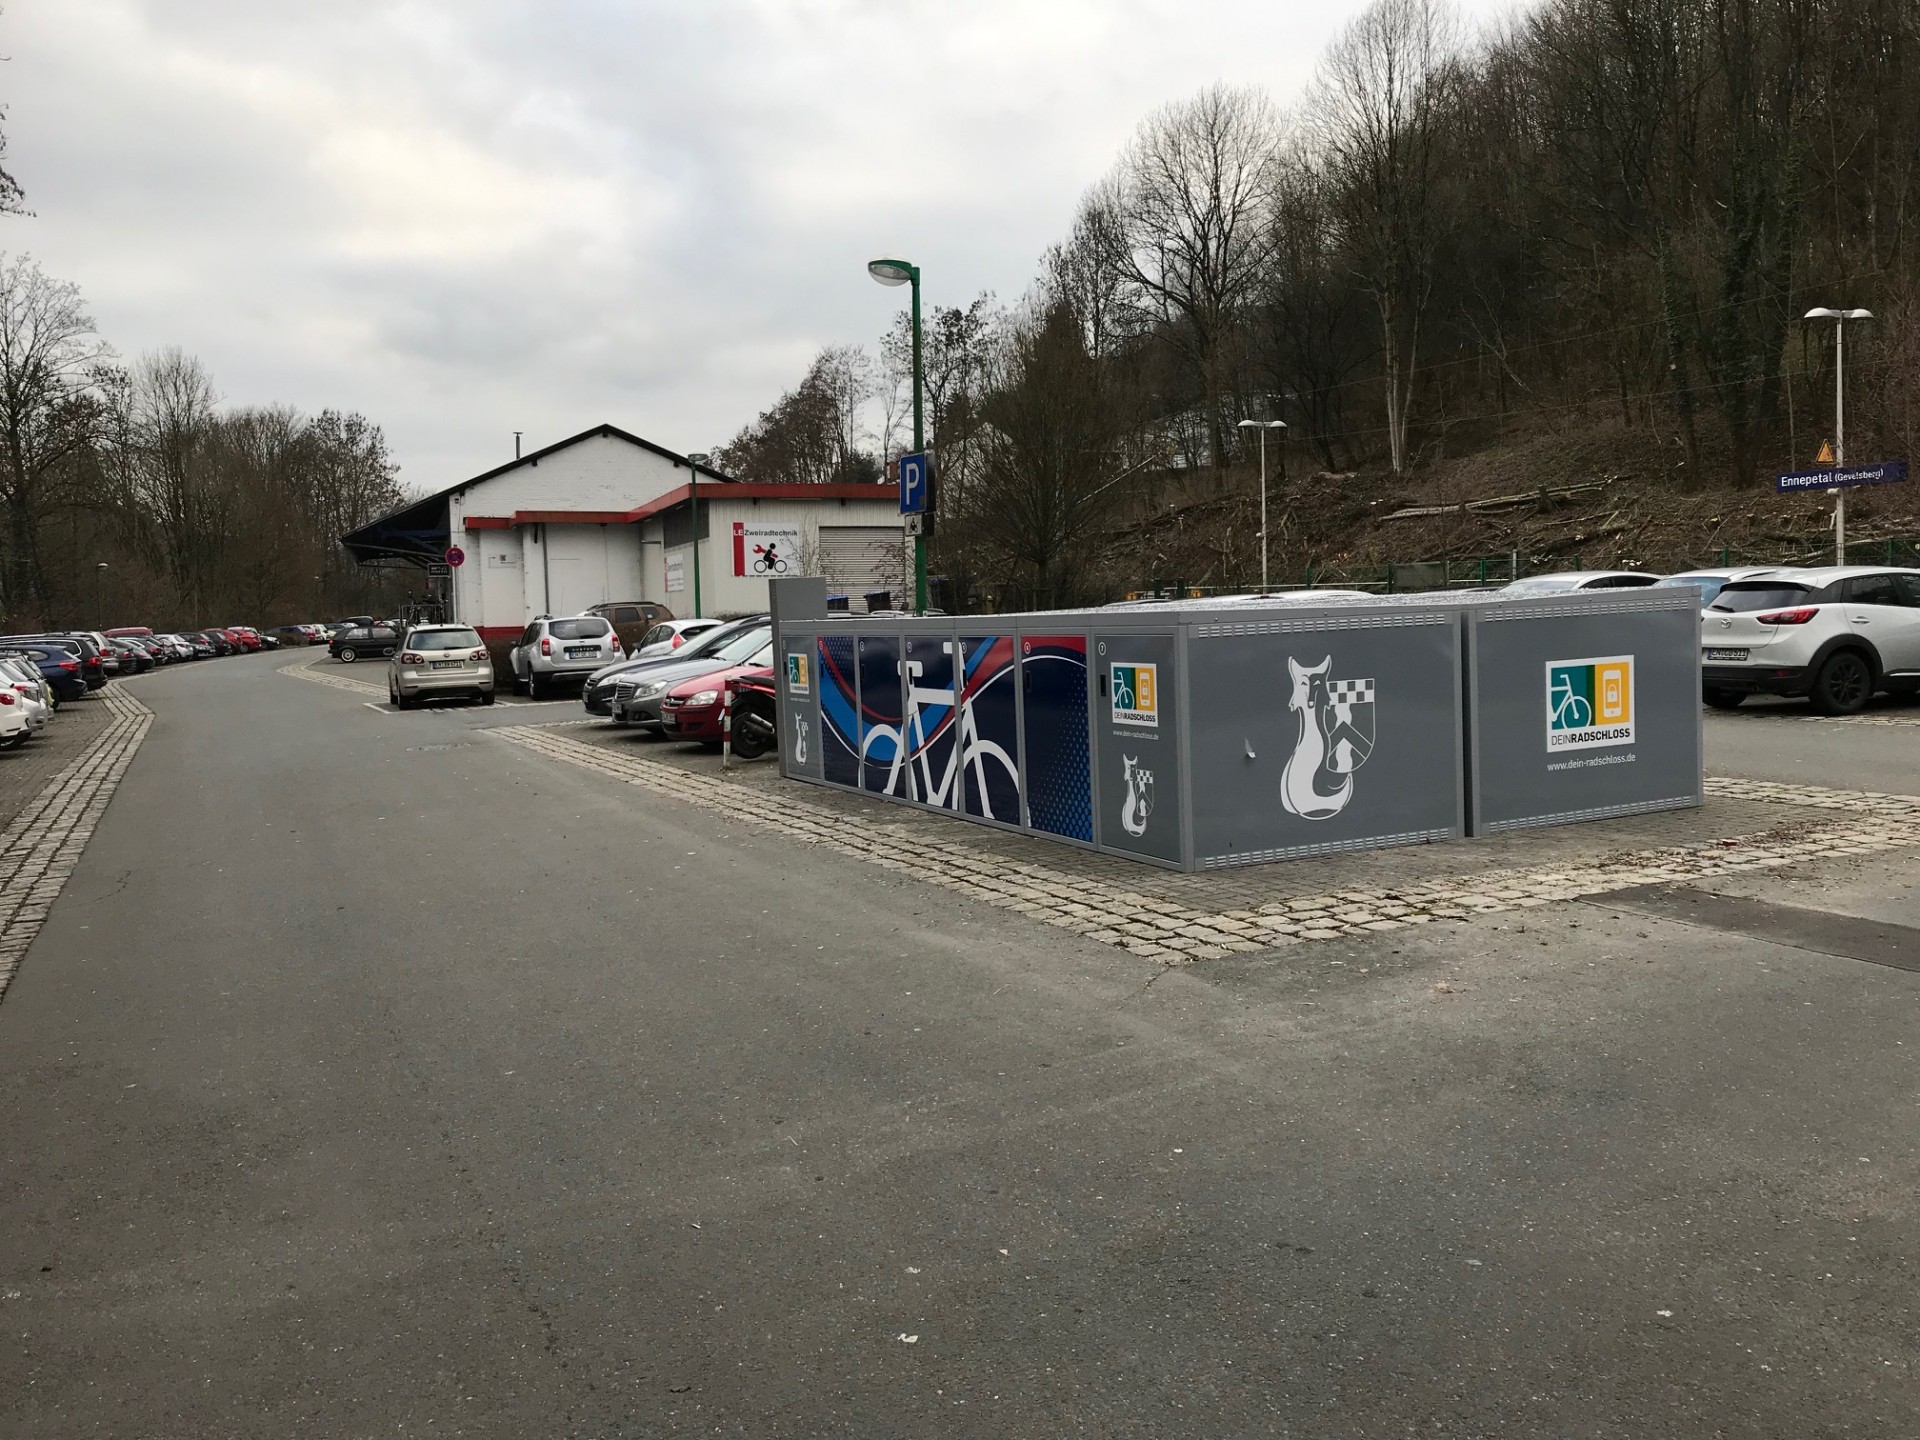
[[768, 561], [1571, 709]]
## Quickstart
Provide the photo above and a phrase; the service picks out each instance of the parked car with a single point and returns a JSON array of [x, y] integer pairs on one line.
[[569, 647], [597, 697], [692, 709], [133, 659], [440, 660], [639, 696], [162, 652], [597, 694], [218, 641], [14, 727], [1567, 580], [23, 677], [243, 637], [356, 641], [631, 618], [1836, 634], [669, 635], [292, 635], [1709, 582], [59, 668], [88, 660], [126, 630], [182, 647]]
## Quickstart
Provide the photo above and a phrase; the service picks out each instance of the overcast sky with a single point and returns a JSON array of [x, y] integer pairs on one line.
[[469, 217]]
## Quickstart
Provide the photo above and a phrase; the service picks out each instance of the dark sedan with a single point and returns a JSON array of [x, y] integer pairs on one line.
[[374, 641], [58, 666]]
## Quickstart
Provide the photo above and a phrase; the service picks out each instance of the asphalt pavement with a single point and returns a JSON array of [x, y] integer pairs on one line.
[[374, 1077]]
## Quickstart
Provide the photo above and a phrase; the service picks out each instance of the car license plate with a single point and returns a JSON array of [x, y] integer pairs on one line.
[[582, 652], [1723, 654], [443, 664]]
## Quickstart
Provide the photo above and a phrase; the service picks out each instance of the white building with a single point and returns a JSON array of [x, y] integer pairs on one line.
[[605, 516]]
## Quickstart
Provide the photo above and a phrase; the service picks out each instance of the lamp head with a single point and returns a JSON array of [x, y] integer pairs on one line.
[[892, 272], [1263, 424], [700, 457], [1823, 313]]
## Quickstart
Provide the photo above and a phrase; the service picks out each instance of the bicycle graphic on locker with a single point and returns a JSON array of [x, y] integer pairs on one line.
[[1571, 710], [968, 748]]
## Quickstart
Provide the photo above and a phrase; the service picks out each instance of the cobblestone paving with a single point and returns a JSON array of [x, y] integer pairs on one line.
[[41, 845], [306, 668], [1177, 918]]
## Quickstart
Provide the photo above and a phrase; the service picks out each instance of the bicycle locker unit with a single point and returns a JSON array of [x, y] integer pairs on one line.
[[1203, 734]]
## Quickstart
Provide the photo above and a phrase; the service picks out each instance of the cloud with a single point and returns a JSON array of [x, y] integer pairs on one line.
[[469, 217]]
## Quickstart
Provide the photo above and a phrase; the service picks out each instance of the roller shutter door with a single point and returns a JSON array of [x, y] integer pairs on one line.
[[858, 558]]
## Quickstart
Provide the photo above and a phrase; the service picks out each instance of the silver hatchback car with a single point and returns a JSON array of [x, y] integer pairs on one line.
[[439, 660]]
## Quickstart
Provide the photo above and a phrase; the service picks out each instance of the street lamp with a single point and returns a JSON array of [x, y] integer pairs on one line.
[[903, 272], [1839, 318], [1263, 426], [99, 585], [694, 462]]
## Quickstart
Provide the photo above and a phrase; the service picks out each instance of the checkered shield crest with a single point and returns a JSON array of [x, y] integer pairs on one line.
[[1348, 724]]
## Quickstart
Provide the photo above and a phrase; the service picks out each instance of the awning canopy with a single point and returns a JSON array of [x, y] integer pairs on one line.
[[418, 534]]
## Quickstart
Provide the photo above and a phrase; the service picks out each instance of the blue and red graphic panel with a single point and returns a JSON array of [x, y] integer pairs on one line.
[[989, 729], [839, 712], [929, 775], [880, 714], [1055, 744]]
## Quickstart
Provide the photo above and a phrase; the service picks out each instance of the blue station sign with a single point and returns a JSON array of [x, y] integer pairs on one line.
[[1843, 477]]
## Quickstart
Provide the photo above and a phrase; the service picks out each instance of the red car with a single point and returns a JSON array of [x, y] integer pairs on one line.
[[691, 710], [242, 641]]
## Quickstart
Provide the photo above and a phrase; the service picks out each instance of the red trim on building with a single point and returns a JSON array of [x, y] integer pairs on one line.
[[487, 522], [743, 490]]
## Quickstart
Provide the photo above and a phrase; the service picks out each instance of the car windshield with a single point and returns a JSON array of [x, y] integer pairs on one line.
[[743, 645], [591, 628], [1541, 585], [1739, 598], [458, 639]]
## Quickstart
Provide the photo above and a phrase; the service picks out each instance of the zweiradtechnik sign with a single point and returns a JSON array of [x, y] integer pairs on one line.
[[1213, 733]]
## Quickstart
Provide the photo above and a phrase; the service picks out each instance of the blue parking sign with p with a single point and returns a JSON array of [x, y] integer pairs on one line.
[[914, 490]]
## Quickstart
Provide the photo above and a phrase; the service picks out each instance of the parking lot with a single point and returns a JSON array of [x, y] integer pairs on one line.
[[583, 1088]]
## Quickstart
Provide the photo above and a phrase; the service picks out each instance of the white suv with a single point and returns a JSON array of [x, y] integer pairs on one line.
[[1834, 635], [571, 648]]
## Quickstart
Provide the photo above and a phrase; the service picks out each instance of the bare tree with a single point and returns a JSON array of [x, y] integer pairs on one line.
[[52, 370], [1190, 213], [1381, 117]]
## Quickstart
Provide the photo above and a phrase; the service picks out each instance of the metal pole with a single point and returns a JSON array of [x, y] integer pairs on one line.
[[1840, 438], [693, 509], [919, 446], [1263, 511]]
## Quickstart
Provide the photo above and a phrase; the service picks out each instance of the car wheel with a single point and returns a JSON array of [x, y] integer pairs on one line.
[[534, 689], [1844, 684], [1723, 699], [486, 697], [348, 654]]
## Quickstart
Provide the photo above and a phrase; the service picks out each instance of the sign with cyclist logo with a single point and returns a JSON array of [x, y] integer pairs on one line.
[[799, 673], [1590, 703], [766, 551], [1135, 692]]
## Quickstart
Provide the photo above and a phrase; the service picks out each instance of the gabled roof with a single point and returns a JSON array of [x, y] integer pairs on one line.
[[420, 530]]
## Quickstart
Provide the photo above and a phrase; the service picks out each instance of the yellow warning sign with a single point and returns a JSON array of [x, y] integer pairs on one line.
[[1825, 457]]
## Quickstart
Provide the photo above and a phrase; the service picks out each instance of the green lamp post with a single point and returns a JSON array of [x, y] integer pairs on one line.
[[694, 462], [903, 272]]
